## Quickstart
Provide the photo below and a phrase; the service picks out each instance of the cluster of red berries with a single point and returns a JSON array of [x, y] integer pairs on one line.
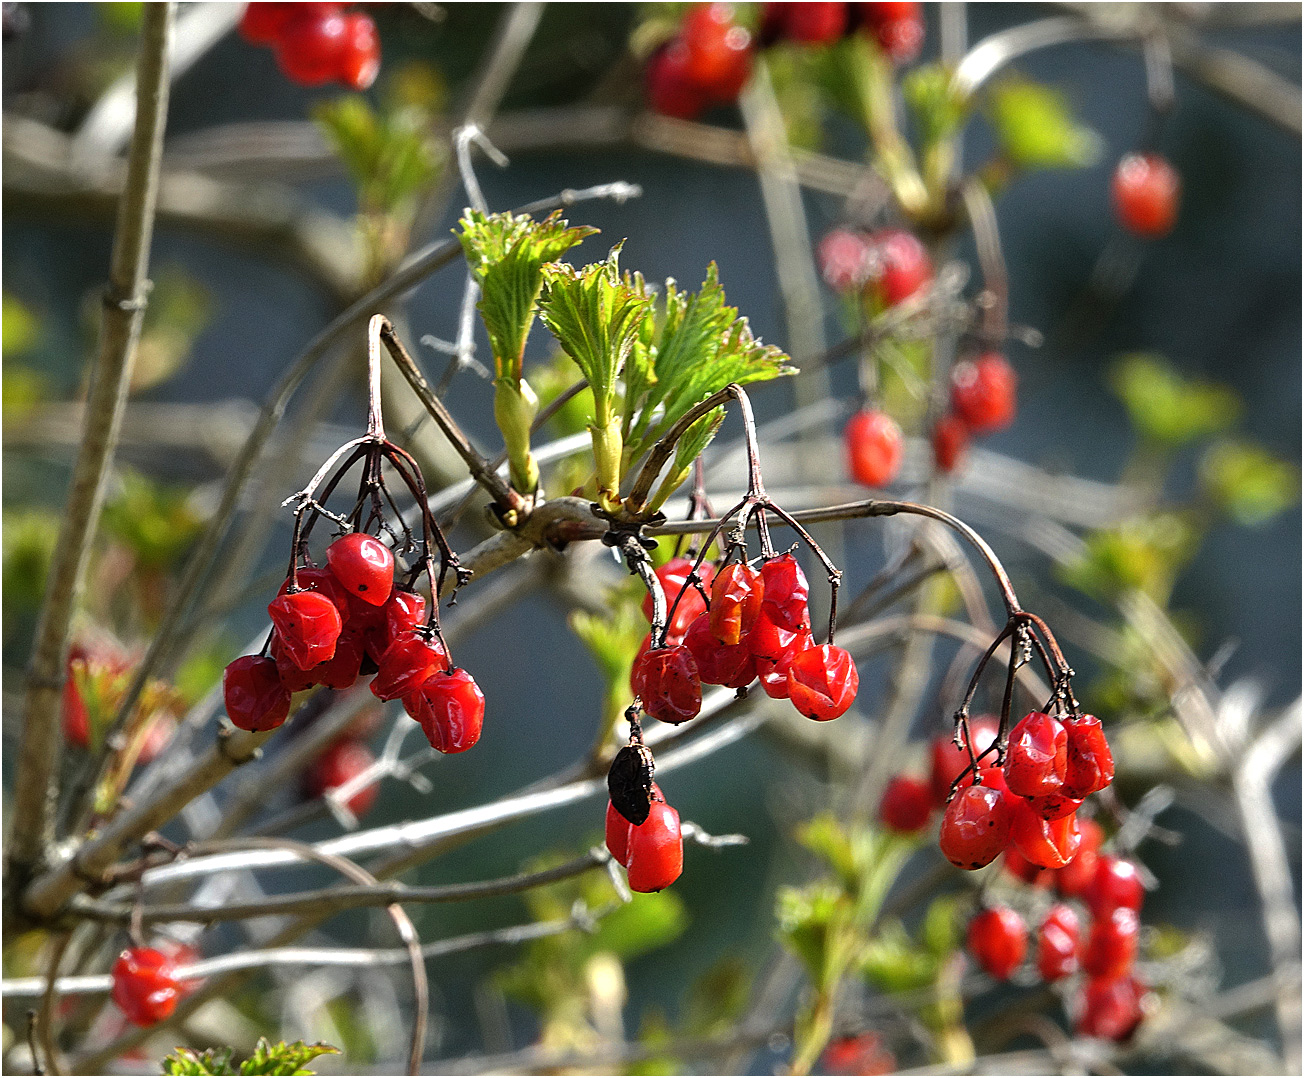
[[652, 852], [348, 620], [710, 58], [145, 985], [1146, 190], [756, 625], [316, 43]]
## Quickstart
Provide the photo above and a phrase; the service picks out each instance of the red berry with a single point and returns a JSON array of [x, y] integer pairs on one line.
[[311, 46], [255, 698], [787, 593], [360, 60], [899, 266], [308, 626], [262, 24], [617, 837], [844, 260], [983, 392], [656, 850], [874, 447], [364, 565], [1057, 943], [322, 581], [450, 708], [402, 613], [674, 580], [998, 939], [822, 682], [1116, 884], [737, 593], [144, 985], [338, 764], [1073, 879], [719, 664], [862, 1054], [406, 664], [1055, 806], [340, 671], [975, 827], [1045, 843], [1021, 868], [950, 442], [1111, 1009], [897, 26], [719, 51], [1146, 190], [907, 804], [811, 23], [950, 761], [775, 648], [1111, 947], [670, 89], [667, 682], [1090, 764], [1036, 756]]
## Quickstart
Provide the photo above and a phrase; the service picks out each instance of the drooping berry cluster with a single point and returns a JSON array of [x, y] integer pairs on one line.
[[145, 985], [316, 43], [652, 852]]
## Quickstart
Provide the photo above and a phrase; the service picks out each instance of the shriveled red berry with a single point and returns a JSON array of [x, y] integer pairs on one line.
[[340, 671], [308, 625], [311, 46], [998, 939], [406, 664], [1146, 190], [822, 682], [874, 447], [787, 593], [719, 664], [863, 1053], [1112, 945], [674, 580], [667, 682], [1045, 843], [950, 442], [1090, 765], [364, 565], [1057, 943], [975, 827], [899, 266], [907, 804], [402, 613], [843, 258], [450, 709], [255, 698], [983, 392], [810, 23], [1021, 868], [144, 985], [656, 850], [1036, 756], [360, 58], [1055, 806], [1116, 883], [617, 835], [949, 760], [1111, 1009], [1073, 879], [897, 26], [719, 50], [774, 649], [737, 593], [337, 764], [670, 89]]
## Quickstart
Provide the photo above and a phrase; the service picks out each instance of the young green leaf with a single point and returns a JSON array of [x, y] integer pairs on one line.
[[1168, 408], [283, 1059], [211, 1061], [1036, 128], [1247, 482]]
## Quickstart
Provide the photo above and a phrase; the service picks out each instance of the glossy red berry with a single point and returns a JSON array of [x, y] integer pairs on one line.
[[810, 23], [897, 26], [308, 626], [311, 46], [406, 664], [1116, 884], [617, 835], [255, 698], [402, 613], [1146, 190], [719, 50], [1112, 945], [667, 682], [1036, 756], [1111, 1009], [899, 266], [907, 804], [450, 709], [364, 565], [787, 593], [670, 89], [1090, 765], [656, 850], [975, 827], [737, 593], [949, 761], [263, 23], [1073, 879], [144, 985], [338, 764], [674, 580], [1021, 868], [1057, 943], [843, 258], [874, 447], [360, 59], [1044, 843], [719, 664], [950, 442], [774, 649], [822, 682], [340, 671], [983, 392], [998, 940]]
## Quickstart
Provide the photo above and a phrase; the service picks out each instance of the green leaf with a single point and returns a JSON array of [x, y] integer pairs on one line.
[[20, 327], [211, 1061], [895, 963], [155, 521], [1144, 554], [1036, 128], [29, 537], [1247, 482], [507, 253], [635, 928], [283, 1059], [1168, 408], [808, 917], [940, 932], [937, 110], [825, 836]]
